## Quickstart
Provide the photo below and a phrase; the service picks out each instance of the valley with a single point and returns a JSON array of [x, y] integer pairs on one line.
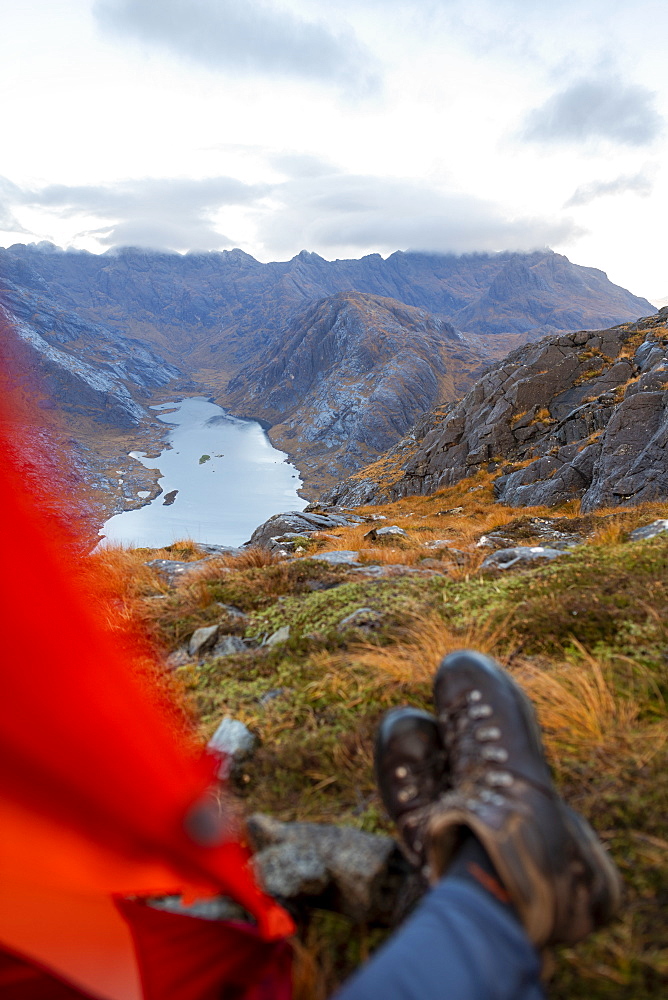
[[339, 358]]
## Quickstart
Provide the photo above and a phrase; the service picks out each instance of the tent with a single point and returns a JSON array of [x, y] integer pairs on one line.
[[105, 804]]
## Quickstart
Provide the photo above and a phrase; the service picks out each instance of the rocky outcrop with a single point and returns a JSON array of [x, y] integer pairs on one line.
[[579, 416]]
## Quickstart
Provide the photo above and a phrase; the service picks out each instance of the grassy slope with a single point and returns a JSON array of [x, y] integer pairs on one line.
[[586, 636]]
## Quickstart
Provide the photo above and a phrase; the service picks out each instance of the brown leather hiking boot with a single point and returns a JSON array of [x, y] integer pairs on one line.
[[556, 871], [410, 773]]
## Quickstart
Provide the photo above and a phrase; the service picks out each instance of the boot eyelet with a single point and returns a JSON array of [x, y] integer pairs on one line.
[[499, 778], [487, 733], [479, 711], [474, 695], [406, 794], [401, 772]]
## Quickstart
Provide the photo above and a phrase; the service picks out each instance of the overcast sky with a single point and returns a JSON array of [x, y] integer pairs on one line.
[[344, 128]]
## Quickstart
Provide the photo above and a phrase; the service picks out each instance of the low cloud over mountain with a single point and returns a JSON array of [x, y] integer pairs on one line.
[[316, 205]]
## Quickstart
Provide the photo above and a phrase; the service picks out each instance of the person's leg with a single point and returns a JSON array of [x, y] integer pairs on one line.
[[460, 944], [514, 868]]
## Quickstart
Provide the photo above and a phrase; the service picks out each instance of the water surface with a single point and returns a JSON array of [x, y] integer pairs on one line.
[[228, 476]]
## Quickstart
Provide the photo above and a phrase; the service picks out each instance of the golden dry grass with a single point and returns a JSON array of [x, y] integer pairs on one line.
[[585, 708], [422, 645]]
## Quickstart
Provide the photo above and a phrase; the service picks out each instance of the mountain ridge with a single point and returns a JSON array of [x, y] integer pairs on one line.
[[157, 323]]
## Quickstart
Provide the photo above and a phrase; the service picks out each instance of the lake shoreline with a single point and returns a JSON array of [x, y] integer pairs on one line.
[[215, 498]]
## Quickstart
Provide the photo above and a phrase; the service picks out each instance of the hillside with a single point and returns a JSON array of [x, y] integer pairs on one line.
[[350, 375], [583, 416], [325, 639]]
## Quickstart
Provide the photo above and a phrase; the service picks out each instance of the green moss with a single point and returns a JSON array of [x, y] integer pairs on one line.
[[320, 612], [315, 709]]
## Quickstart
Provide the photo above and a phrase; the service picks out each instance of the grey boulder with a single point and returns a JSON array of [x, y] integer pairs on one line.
[[296, 522], [390, 533], [232, 742], [649, 530], [522, 555], [202, 640], [336, 868]]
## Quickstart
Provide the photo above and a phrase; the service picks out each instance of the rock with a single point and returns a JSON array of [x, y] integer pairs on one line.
[[173, 570], [218, 908], [572, 417], [169, 498], [392, 569], [360, 875], [438, 543], [366, 619], [280, 635], [390, 533], [219, 550], [297, 522], [202, 640], [233, 742], [271, 695], [519, 556], [337, 557], [232, 612], [649, 530], [179, 658], [227, 645]]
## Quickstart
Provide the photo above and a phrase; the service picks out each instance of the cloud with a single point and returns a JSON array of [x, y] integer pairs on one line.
[[316, 207], [345, 213], [301, 165], [639, 183], [173, 214], [245, 36], [9, 195], [596, 108]]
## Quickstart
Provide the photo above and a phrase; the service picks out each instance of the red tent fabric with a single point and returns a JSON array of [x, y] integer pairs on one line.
[[102, 796]]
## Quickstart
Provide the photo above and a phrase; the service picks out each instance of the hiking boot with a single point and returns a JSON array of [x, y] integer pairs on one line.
[[410, 769], [554, 868]]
